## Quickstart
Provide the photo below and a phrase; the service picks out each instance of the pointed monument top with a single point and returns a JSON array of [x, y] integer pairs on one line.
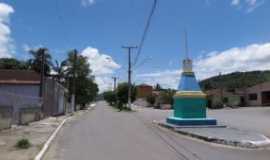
[[186, 45]]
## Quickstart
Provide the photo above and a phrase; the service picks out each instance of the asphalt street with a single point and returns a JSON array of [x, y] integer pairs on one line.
[[105, 134]]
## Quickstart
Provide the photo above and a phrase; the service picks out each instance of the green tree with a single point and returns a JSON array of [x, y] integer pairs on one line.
[[122, 93], [151, 99], [110, 97], [85, 88], [166, 97], [36, 61], [12, 63], [158, 87], [60, 69]]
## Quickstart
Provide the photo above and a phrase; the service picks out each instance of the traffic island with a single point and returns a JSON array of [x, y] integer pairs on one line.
[[221, 134], [189, 116]]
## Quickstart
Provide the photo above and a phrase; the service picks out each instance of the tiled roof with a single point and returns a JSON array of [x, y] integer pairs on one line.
[[19, 77]]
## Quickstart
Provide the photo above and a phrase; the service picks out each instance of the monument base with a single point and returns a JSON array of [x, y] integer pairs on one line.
[[191, 121]]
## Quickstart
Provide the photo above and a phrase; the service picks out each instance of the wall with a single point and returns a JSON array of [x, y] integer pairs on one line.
[[54, 98], [144, 91], [26, 90], [29, 114], [18, 101], [5, 117], [258, 89]]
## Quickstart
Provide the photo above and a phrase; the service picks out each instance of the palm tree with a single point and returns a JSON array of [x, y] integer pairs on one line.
[[36, 62], [61, 70]]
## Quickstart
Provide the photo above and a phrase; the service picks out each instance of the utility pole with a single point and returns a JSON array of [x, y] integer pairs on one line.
[[129, 48], [73, 104], [42, 68], [114, 83]]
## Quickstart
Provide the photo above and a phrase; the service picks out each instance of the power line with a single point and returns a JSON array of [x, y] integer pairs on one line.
[[148, 22]]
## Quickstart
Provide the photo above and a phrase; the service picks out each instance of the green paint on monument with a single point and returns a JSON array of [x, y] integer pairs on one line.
[[189, 107]]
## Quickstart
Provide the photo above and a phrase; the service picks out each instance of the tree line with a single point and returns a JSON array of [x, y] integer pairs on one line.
[[73, 69]]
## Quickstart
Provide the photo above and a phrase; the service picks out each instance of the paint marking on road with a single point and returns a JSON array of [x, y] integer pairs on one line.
[[49, 141]]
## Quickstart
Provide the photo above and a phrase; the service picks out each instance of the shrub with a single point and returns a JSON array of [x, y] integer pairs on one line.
[[23, 144], [110, 97], [166, 97], [151, 99]]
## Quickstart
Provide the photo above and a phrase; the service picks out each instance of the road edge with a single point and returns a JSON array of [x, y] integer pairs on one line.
[[45, 147], [240, 144]]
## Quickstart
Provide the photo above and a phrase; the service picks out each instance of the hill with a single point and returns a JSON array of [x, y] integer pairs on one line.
[[235, 80]]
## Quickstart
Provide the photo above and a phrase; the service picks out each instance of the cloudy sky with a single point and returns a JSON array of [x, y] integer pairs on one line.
[[224, 36]]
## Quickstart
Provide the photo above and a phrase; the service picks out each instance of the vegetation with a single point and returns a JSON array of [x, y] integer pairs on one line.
[[73, 66], [166, 97], [110, 97], [35, 62], [235, 80], [23, 144], [151, 99], [12, 63], [86, 89], [119, 98]]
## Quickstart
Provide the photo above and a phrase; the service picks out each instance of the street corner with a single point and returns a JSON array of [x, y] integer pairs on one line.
[[221, 134]]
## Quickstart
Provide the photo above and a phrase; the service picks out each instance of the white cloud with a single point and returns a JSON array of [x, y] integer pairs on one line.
[[251, 57], [247, 5], [102, 66], [235, 2], [6, 46], [167, 79], [87, 3]]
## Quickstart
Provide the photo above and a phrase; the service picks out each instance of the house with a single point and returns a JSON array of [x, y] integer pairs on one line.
[[20, 82], [257, 95], [20, 91], [144, 90]]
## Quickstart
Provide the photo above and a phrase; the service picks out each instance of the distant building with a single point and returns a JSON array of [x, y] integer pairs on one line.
[[144, 90], [258, 95]]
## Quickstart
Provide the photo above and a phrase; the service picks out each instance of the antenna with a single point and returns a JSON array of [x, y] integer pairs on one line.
[[186, 44]]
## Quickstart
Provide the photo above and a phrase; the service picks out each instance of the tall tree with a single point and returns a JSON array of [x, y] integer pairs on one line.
[[85, 87], [36, 61], [60, 68], [12, 63]]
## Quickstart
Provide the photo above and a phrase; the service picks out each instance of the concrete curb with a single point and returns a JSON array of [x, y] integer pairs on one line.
[[241, 144], [45, 147]]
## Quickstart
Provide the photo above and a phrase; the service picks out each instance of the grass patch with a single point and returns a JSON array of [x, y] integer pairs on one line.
[[23, 144]]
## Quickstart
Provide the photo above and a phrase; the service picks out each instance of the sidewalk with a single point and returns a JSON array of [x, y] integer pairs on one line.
[[37, 133]]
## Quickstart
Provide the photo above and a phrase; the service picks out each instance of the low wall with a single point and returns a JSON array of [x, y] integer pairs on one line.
[[30, 114], [5, 117]]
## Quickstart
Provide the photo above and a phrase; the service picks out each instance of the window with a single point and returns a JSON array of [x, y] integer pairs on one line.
[[252, 97]]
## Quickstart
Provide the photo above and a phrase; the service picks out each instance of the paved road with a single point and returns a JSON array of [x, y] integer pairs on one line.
[[105, 134]]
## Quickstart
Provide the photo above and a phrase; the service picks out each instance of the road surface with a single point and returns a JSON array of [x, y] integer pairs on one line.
[[105, 134]]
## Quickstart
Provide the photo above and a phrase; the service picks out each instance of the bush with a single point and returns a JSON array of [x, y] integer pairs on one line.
[[122, 93], [166, 97], [110, 97], [151, 99], [23, 144]]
